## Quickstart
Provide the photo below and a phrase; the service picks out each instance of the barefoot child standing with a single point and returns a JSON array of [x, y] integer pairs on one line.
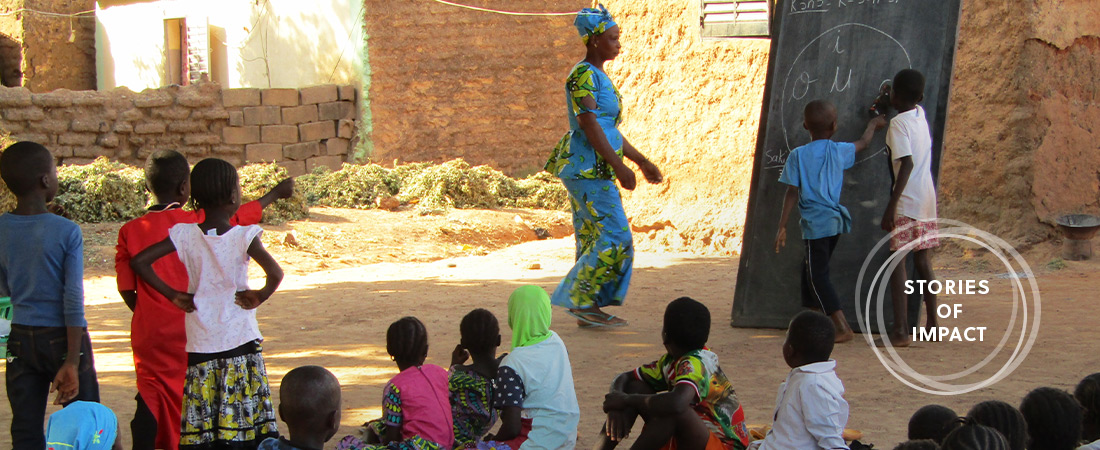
[[814, 174], [226, 398], [912, 207]]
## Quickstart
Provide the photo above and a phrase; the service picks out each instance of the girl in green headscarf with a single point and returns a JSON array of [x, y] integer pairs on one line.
[[529, 316], [534, 384]]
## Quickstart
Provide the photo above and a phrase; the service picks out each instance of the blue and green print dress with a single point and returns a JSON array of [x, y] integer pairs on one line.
[[605, 248]]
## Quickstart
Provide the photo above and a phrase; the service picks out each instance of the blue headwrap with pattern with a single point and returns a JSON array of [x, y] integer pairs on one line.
[[593, 21]]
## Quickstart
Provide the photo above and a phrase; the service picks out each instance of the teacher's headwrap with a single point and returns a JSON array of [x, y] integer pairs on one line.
[[529, 316], [593, 21]]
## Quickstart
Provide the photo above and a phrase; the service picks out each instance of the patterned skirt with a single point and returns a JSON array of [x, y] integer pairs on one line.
[[227, 401], [605, 247], [379, 429]]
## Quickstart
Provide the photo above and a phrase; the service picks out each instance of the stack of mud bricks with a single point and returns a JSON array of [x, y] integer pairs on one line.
[[301, 129]]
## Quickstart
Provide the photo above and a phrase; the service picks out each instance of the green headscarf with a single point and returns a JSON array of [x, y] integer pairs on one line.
[[529, 316]]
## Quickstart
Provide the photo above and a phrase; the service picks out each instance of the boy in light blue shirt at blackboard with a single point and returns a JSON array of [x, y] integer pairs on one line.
[[814, 174]]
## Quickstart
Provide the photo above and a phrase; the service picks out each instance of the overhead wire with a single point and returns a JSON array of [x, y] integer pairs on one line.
[[79, 15], [509, 13]]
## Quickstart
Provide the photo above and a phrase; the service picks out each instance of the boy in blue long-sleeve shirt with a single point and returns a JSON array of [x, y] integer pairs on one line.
[[42, 270]]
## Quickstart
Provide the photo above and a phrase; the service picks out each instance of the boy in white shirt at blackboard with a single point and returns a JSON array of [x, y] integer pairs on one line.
[[814, 175], [911, 212]]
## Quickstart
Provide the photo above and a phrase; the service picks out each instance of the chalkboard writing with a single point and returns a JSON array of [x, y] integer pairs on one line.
[[842, 51]]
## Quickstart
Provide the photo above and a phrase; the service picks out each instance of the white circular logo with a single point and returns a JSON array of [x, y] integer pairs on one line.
[[1018, 269]]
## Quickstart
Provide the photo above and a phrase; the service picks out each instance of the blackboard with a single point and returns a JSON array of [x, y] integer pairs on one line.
[[841, 51]]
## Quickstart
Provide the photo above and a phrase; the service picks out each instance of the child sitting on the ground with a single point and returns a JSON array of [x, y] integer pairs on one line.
[[226, 397], [471, 384], [416, 411], [684, 397], [1002, 417], [534, 384], [157, 332], [971, 436], [83, 426], [1088, 394], [1053, 419], [309, 403], [814, 174], [42, 270], [932, 422], [810, 411]]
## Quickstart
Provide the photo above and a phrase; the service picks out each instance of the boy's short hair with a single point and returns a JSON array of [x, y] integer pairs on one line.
[[1002, 417], [687, 323], [972, 436], [811, 334], [1053, 419], [919, 444], [819, 115], [908, 86], [931, 422], [307, 395], [480, 331], [23, 164], [165, 170]]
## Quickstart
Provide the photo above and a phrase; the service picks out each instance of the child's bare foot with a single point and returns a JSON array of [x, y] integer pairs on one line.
[[843, 331], [899, 339]]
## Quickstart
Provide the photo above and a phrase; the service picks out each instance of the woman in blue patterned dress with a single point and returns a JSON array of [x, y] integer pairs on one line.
[[588, 159]]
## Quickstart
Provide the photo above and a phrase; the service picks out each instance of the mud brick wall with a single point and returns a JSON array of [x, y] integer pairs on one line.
[[449, 82], [300, 129], [37, 51]]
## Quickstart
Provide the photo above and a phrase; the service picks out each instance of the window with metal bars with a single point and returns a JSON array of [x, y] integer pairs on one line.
[[735, 18]]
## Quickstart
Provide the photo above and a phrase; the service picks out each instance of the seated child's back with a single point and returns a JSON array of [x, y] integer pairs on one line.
[[472, 385], [309, 403]]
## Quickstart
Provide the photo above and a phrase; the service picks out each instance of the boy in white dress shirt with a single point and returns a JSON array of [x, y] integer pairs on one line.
[[810, 411]]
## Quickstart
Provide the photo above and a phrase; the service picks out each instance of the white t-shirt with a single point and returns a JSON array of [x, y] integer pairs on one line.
[[908, 135], [1094, 445], [550, 400], [217, 268]]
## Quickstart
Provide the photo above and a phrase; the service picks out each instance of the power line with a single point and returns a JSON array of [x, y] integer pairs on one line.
[[509, 13], [79, 15]]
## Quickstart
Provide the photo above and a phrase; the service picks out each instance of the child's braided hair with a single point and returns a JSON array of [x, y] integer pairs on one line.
[[480, 331], [1088, 394], [214, 182], [1053, 419], [1002, 417], [972, 436], [407, 341]]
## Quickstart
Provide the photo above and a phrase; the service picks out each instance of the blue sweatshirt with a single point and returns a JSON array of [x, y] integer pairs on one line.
[[42, 270]]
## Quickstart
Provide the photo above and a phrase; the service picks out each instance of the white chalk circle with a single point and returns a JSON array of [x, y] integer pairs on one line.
[[934, 384], [835, 83]]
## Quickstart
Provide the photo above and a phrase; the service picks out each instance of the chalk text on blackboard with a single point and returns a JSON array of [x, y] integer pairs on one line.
[[823, 6], [836, 81], [802, 86]]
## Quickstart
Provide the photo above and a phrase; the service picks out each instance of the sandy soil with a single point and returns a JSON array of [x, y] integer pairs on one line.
[[374, 267]]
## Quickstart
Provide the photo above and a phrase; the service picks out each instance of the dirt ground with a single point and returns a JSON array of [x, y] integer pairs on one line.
[[354, 272]]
